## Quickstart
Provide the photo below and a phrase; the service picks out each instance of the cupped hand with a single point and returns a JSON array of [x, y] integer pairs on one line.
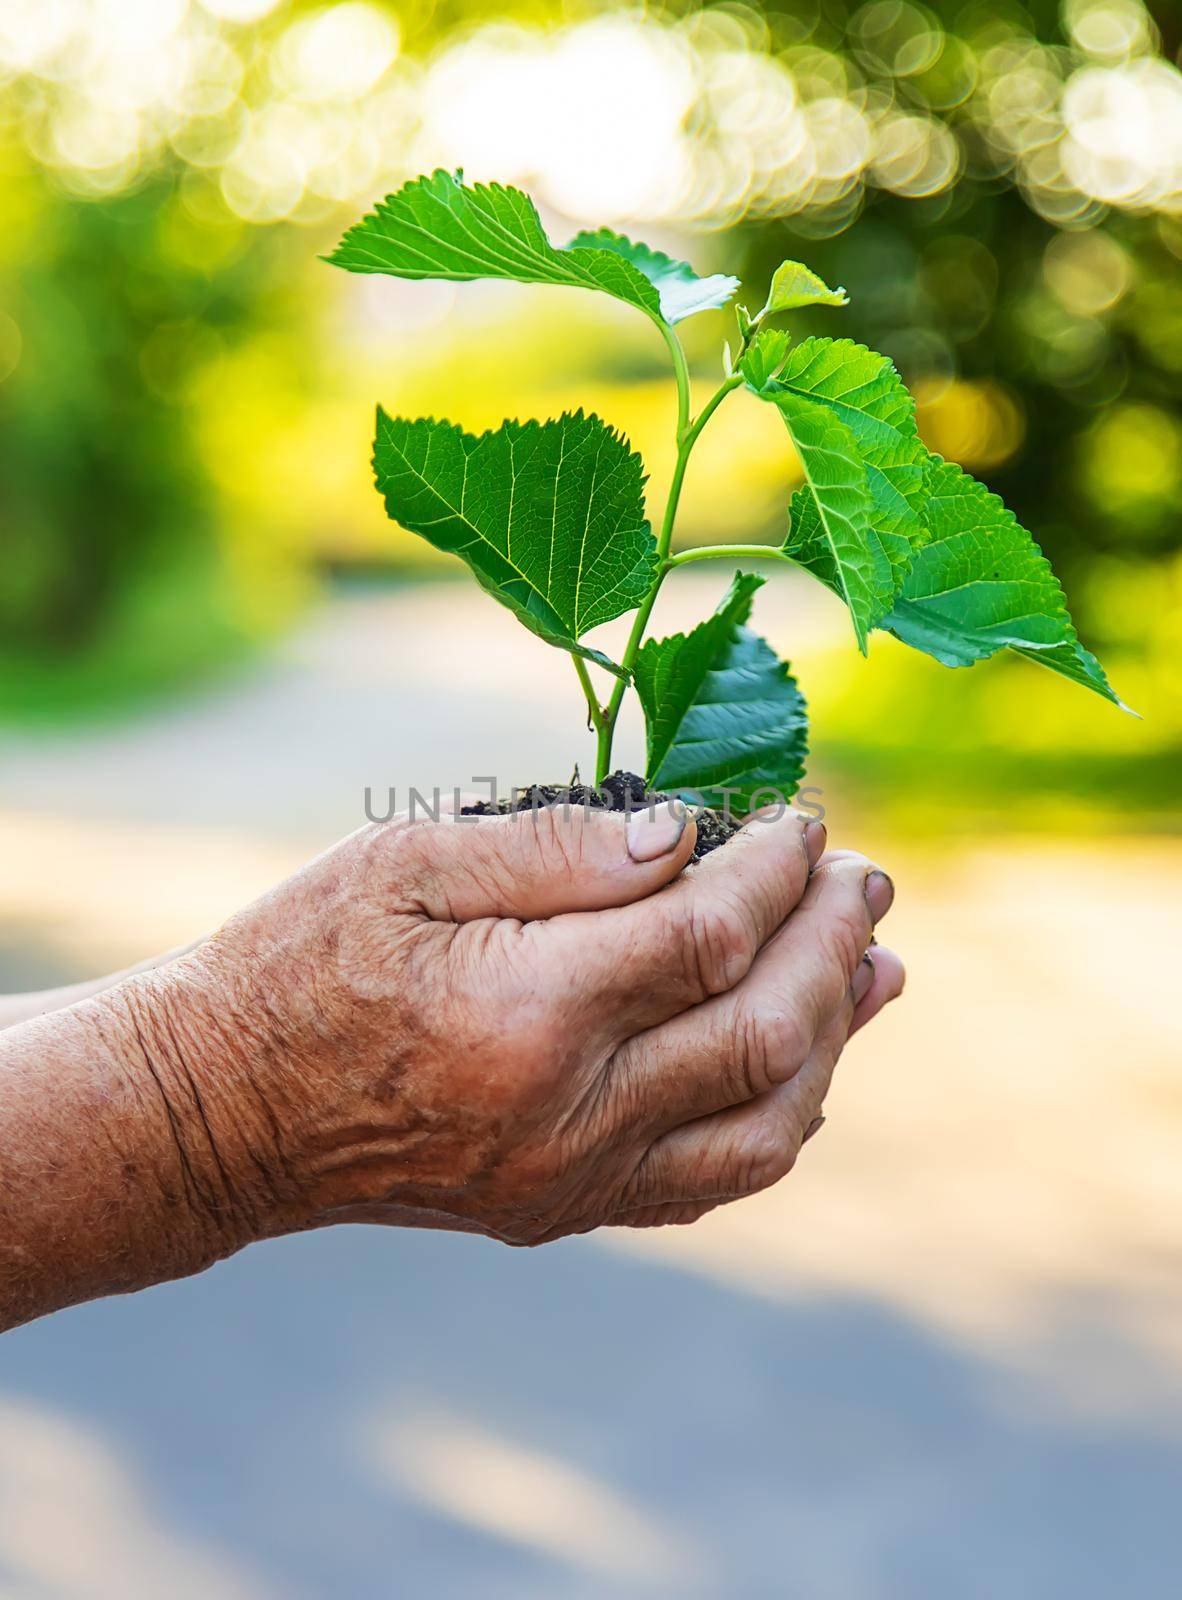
[[524, 1027]]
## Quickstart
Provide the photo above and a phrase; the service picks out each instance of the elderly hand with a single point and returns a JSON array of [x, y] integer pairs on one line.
[[523, 1027], [518, 1026]]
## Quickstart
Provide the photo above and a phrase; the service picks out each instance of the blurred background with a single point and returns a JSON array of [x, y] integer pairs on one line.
[[946, 1358]]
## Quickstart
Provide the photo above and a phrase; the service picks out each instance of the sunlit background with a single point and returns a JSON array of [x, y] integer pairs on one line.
[[946, 1358]]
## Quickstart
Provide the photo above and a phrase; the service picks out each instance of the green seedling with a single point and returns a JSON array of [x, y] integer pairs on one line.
[[551, 516]]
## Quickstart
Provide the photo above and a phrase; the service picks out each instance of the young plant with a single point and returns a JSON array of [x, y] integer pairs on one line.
[[550, 516]]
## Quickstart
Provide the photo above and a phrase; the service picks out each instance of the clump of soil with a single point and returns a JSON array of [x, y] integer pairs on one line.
[[622, 791]]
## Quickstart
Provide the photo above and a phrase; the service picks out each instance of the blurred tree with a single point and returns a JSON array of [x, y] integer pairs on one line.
[[1049, 356], [100, 486]]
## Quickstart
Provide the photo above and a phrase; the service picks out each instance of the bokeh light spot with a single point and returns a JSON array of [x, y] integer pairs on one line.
[[894, 37], [1089, 272], [1131, 461], [337, 54], [915, 155], [978, 424], [1110, 30]]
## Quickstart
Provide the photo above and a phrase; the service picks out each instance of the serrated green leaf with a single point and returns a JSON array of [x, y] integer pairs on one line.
[[440, 227], [548, 515], [863, 389], [722, 711], [810, 547], [982, 585], [682, 293], [830, 531], [795, 285]]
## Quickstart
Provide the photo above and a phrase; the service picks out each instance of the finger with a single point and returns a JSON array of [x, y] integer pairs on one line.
[[534, 863], [887, 985], [742, 1043], [700, 935], [746, 1148]]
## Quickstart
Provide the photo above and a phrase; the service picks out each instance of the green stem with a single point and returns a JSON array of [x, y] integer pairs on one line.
[[680, 372], [727, 552], [687, 437], [710, 408], [603, 750], [594, 709]]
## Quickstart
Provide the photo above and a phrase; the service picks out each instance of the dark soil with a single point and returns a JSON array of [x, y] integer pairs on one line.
[[622, 791]]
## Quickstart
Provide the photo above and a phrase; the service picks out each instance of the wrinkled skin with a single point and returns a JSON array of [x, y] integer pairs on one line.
[[513, 1026]]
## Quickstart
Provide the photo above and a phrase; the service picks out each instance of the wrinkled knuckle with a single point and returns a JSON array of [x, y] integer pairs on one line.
[[721, 945], [559, 840], [749, 1056], [779, 1039], [768, 1154], [625, 1099], [647, 1182]]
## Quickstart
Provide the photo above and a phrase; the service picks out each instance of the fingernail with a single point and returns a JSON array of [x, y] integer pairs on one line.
[[880, 892], [814, 1126], [863, 978], [816, 836], [653, 833]]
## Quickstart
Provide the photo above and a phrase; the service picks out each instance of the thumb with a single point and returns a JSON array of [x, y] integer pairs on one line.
[[539, 863]]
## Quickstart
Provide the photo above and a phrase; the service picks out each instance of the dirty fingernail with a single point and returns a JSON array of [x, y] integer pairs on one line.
[[814, 1126], [880, 892], [863, 978], [653, 833], [815, 838]]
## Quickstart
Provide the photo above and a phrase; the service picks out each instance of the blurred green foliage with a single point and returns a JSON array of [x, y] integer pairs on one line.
[[115, 580]]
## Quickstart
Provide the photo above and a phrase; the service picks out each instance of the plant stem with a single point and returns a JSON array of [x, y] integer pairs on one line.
[[680, 372], [725, 552], [687, 437], [594, 709], [603, 749], [710, 408]]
